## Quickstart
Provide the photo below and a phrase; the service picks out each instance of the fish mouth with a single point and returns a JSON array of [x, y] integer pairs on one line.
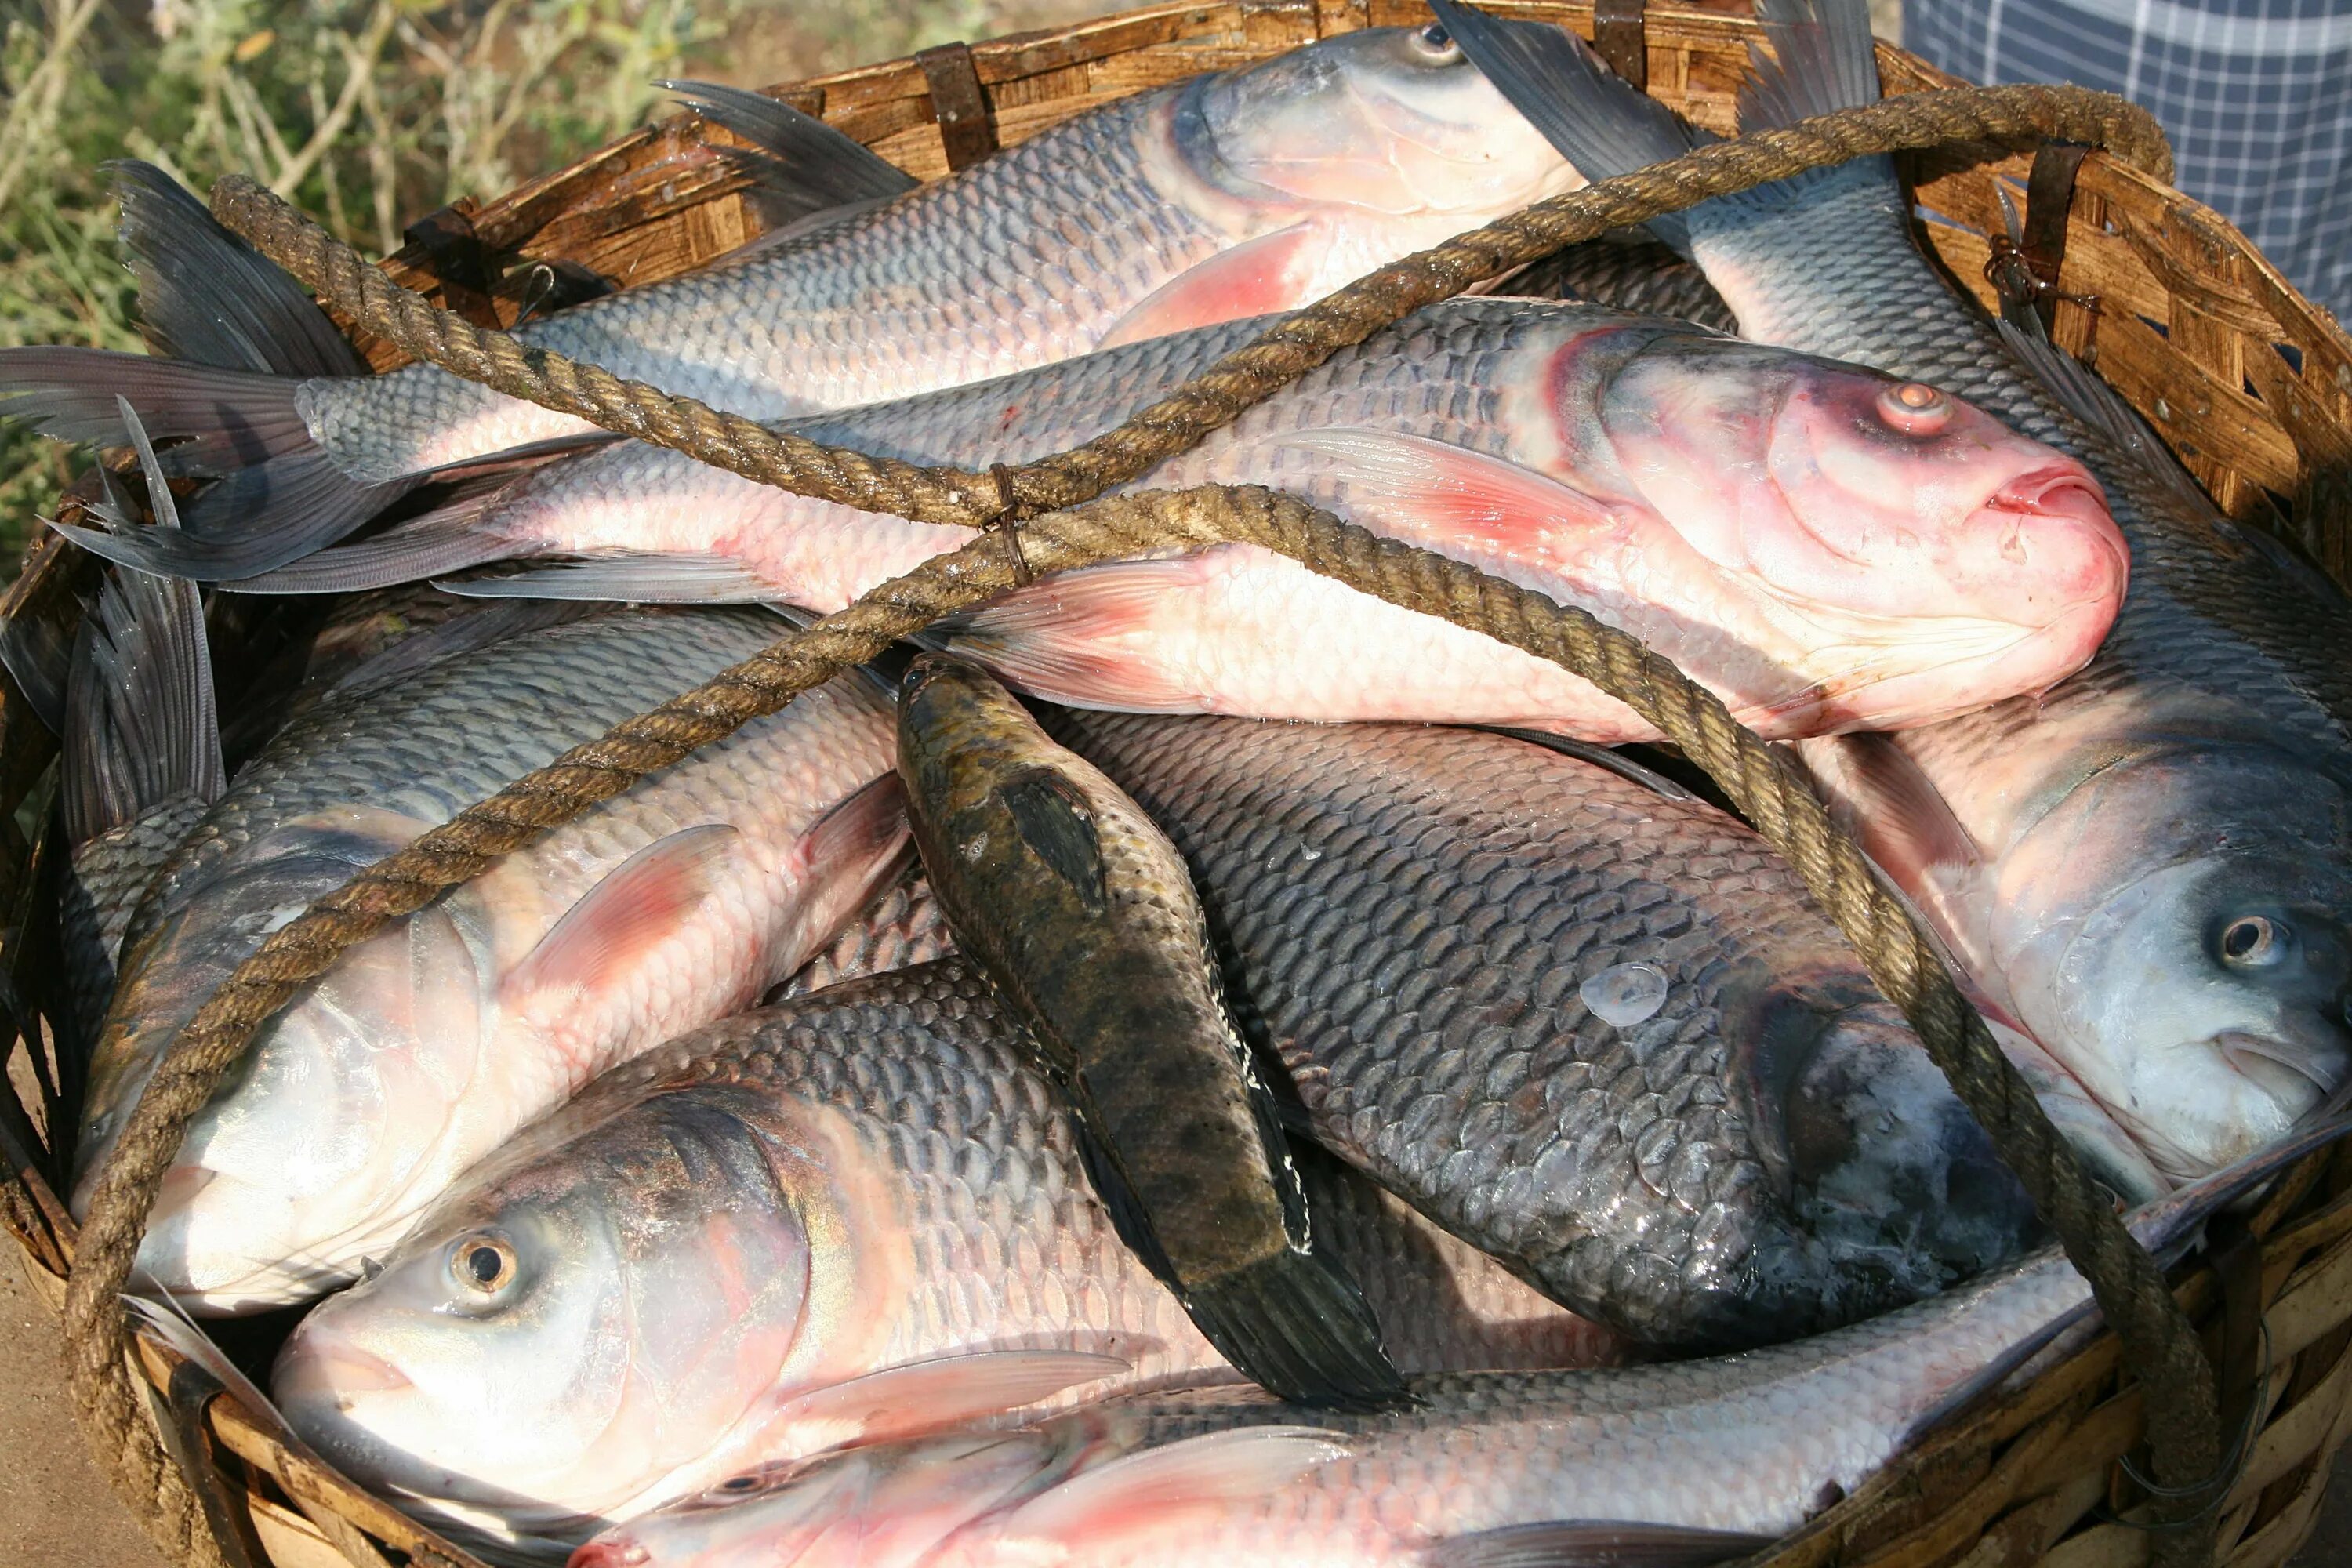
[[607, 1554], [336, 1373], [2289, 1070], [2057, 491]]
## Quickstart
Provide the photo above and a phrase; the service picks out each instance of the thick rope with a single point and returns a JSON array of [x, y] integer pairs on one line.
[[2178, 1383]]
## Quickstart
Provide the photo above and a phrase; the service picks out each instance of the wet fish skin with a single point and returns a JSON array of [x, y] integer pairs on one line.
[[904, 928], [427, 1043], [1080, 911], [1695, 1462], [1644, 277], [1411, 922], [1754, 516], [2149, 865], [860, 1180], [2100, 842]]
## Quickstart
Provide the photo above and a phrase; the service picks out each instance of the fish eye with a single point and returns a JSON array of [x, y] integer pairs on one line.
[[483, 1264], [2252, 942], [1436, 46], [1915, 408], [735, 1486]]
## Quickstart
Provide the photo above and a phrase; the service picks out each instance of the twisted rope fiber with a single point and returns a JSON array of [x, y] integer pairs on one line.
[[2123, 1277]]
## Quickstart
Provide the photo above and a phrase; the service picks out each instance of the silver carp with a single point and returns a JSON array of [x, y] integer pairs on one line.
[[1690, 1464], [1783, 528]]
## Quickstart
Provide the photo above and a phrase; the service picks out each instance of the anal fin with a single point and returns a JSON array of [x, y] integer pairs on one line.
[[929, 1396], [1158, 1488], [1594, 1543]]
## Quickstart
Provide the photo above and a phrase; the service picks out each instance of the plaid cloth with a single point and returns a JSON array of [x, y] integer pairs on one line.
[[2255, 94]]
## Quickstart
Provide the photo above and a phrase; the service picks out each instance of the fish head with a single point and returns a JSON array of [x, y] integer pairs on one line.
[[885, 1505], [341, 1096], [599, 1309], [1894, 1183], [1865, 502], [2176, 932], [1382, 122]]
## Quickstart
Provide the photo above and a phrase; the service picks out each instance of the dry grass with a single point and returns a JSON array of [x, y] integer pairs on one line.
[[368, 112]]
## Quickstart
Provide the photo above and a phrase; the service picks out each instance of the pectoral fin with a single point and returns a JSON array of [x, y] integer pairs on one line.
[[1255, 277], [640, 903], [1053, 819], [1452, 498]]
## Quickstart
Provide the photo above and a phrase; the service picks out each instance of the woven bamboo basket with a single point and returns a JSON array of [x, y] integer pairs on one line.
[[2249, 383]]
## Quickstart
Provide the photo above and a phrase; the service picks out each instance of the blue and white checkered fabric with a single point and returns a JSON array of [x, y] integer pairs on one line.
[[2255, 94]]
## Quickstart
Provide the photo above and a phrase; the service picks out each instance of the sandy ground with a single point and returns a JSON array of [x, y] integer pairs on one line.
[[54, 1513]]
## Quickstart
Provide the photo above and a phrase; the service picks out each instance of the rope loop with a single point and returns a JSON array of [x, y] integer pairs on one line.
[[1056, 513]]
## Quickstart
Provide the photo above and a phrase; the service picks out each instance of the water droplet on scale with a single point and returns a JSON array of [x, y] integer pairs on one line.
[[1625, 994]]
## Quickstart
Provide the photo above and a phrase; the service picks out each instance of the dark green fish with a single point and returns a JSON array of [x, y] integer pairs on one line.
[[1081, 912]]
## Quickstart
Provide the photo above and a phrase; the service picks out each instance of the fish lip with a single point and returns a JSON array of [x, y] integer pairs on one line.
[[2295, 1056], [606, 1554], [2056, 491], [338, 1369]]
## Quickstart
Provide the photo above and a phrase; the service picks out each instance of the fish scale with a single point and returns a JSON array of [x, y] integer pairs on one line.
[[1406, 918], [890, 1143], [425, 1046], [2210, 615], [1026, 259]]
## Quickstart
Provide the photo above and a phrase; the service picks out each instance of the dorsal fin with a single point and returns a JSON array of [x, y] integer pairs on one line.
[[803, 165]]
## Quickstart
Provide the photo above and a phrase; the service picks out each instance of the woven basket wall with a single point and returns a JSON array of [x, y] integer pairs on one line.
[[2249, 383]]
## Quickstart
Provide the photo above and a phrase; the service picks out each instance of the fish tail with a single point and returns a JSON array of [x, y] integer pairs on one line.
[[142, 726], [249, 337], [1598, 120], [1297, 1324], [1822, 60], [206, 297]]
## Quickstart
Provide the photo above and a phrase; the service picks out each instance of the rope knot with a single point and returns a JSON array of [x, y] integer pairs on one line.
[[1011, 511]]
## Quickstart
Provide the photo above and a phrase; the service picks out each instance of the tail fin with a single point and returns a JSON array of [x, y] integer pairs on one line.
[[141, 724], [251, 337], [805, 165], [1598, 120], [1822, 61], [206, 297]]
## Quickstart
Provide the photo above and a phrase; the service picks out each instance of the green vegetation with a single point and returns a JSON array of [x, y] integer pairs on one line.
[[366, 112]]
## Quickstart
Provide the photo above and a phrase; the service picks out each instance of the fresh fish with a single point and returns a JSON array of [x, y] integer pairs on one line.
[[1237, 193], [756, 1242], [1784, 528], [904, 927], [140, 758], [428, 1044], [1677, 1466], [1577, 1018], [1081, 913], [1641, 276], [2150, 866]]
